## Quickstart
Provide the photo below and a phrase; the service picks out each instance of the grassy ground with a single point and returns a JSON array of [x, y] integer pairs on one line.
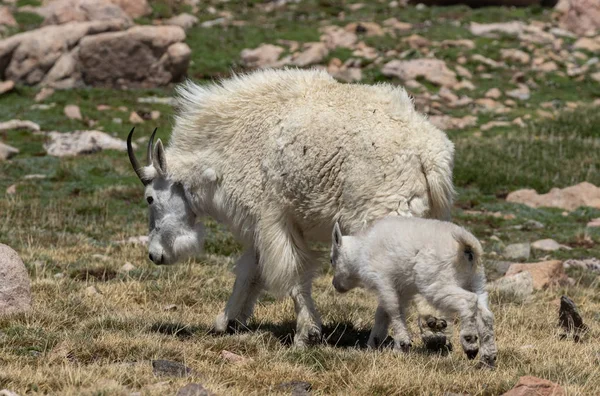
[[94, 329]]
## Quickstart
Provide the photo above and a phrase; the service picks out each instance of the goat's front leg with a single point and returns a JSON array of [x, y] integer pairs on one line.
[[485, 325], [395, 307], [380, 328], [246, 270], [308, 322]]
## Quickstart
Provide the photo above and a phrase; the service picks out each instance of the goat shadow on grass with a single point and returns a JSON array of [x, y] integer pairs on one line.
[[339, 335], [179, 330]]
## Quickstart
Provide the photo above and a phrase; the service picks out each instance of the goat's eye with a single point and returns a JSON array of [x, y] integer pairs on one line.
[[150, 200]]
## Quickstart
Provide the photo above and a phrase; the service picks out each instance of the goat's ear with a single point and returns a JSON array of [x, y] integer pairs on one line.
[[158, 159], [336, 237]]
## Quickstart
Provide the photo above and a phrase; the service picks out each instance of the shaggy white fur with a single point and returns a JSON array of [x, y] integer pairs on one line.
[[280, 155], [400, 257]]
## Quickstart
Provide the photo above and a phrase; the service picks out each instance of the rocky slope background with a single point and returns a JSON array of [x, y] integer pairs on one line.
[[515, 83]]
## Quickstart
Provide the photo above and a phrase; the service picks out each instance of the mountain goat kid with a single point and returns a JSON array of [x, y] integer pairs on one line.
[[278, 156], [399, 257]]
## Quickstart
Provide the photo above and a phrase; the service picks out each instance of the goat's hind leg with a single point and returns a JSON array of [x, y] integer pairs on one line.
[[458, 300], [433, 326], [308, 322]]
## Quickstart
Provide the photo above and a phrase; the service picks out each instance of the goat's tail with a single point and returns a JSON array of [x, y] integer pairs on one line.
[[470, 249], [437, 160]]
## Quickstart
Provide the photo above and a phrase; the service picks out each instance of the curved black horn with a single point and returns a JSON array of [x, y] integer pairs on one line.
[[134, 162], [150, 146]]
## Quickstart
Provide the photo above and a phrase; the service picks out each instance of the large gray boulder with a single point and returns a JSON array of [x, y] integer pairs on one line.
[[15, 294], [28, 57], [143, 56]]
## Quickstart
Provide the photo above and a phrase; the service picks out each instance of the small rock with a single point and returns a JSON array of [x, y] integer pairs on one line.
[[594, 223], [570, 320], [494, 124], [501, 266], [264, 56], [59, 275], [515, 55], [313, 53], [12, 189], [464, 84], [73, 112], [44, 94], [338, 37], [127, 267], [91, 291], [154, 114], [569, 198], [445, 122], [157, 100], [548, 245], [370, 29], [170, 307], [508, 28], [415, 41], [18, 125], [517, 251], [234, 358], [81, 142], [545, 273], [297, 388], [487, 61], [519, 122], [7, 151], [117, 120], [397, 25], [213, 23], [590, 264], [533, 225], [103, 107], [101, 257], [167, 368], [433, 70], [194, 390], [514, 288], [493, 93], [184, 20], [547, 67], [588, 44], [521, 93], [135, 240], [135, 118], [6, 392], [6, 18], [15, 294], [6, 86], [533, 386], [463, 72]]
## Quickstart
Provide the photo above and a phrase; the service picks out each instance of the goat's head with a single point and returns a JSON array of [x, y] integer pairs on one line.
[[175, 231]]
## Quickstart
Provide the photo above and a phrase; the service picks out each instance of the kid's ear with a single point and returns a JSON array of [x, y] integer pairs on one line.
[[336, 237]]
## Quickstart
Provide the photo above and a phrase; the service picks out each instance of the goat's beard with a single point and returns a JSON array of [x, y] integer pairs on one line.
[[189, 243]]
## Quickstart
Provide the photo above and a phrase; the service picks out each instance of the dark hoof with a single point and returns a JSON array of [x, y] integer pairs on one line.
[[435, 342], [472, 353], [487, 362], [314, 338]]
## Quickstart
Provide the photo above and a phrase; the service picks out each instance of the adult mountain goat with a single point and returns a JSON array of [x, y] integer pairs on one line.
[[279, 157]]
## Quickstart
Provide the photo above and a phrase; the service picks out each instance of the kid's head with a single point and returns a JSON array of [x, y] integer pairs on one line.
[[345, 277]]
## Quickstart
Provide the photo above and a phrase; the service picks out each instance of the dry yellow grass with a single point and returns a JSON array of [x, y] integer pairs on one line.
[[77, 342]]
